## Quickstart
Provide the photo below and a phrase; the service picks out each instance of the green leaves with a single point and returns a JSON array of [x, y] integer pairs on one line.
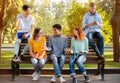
[[75, 15], [107, 29]]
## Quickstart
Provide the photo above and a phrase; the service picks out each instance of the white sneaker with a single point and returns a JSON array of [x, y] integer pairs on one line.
[[53, 79], [16, 59], [34, 74], [36, 77], [61, 79]]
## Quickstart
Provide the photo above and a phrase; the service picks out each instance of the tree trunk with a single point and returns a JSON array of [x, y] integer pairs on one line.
[[2, 12], [3, 38], [1, 25], [115, 21]]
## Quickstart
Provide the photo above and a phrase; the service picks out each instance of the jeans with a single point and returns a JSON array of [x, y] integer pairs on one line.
[[100, 49], [38, 64], [17, 45], [79, 61], [58, 63]]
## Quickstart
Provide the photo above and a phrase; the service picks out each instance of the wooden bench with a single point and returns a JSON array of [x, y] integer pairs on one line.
[[91, 58]]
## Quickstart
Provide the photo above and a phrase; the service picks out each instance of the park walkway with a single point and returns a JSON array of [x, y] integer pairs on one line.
[[109, 78]]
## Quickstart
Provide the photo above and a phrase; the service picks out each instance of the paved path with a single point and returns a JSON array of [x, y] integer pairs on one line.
[[109, 78]]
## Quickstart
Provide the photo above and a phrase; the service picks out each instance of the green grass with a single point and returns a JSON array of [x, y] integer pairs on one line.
[[109, 44], [7, 45], [7, 56], [108, 55]]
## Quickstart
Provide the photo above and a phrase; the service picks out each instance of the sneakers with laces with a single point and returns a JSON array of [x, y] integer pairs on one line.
[[16, 59], [87, 80], [61, 79], [36, 76], [53, 79]]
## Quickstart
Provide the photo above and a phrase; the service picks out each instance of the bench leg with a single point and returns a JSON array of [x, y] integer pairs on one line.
[[98, 69], [101, 65], [15, 69], [102, 72]]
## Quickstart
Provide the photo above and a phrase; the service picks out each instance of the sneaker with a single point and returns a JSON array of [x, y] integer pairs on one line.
[[16, 59], [87, 80], [62, 80], [53, 79], [36, 76]]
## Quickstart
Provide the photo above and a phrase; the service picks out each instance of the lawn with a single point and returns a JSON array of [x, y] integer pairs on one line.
[[7, 55]]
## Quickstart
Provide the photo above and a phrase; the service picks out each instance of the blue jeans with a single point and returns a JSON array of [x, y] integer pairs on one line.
[[58, 63], [79, 61], [38, 64], [100, 49], [17, 45]]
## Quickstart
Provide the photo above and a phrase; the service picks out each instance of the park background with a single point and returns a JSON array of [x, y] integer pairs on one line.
[[68, 13]]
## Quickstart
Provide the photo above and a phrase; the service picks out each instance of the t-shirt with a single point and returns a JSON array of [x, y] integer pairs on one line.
[[78, 46], [38, 46], [25, 23]]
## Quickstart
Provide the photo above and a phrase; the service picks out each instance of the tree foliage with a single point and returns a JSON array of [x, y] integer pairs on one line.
[[46, 14], [108, 6], [107, 29], [107, 9], [75, 15]]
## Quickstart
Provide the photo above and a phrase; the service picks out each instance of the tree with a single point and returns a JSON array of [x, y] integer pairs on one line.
[[75, 15], [115, 21], [2, 15], [59, 15], [107, 29], [47, 14], [107, 5], [43, 18]]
